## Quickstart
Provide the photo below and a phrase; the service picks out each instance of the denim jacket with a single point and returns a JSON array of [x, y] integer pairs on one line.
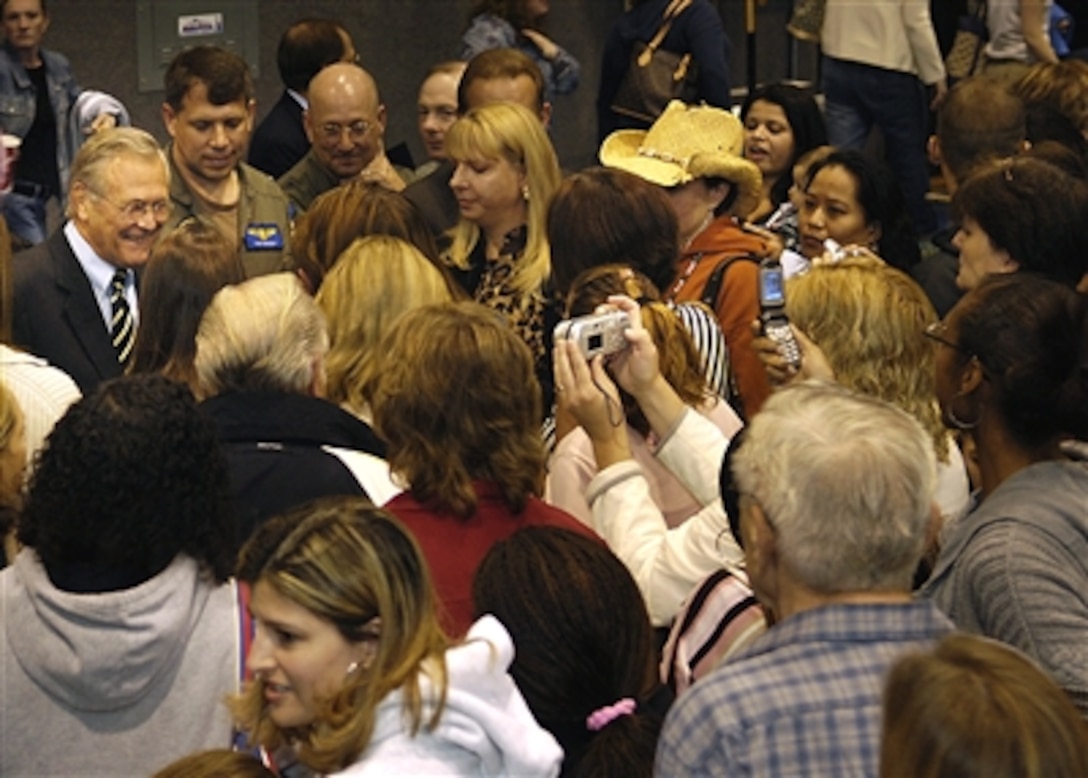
[[488, 31], [18, 101]]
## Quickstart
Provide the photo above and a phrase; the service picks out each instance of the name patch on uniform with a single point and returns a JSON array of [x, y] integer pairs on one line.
[[263, 237]]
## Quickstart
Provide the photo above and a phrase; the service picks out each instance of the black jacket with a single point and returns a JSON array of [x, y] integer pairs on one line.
[[274, 449]]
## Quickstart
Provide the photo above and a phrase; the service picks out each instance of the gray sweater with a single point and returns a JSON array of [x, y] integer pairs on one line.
[[1016, 569], [120, 683]]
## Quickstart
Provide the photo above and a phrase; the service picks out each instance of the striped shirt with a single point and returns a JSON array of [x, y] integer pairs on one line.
[[803, 699]]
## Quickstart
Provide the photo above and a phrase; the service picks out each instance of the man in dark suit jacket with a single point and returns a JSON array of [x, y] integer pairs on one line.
[[309, 45], [492, 76], [118, 202]]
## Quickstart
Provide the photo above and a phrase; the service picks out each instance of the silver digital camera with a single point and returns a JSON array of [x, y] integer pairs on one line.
[[599, 333]]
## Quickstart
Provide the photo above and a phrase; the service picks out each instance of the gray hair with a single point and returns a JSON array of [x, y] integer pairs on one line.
[[89, 166], [266, 334], [847, 482]]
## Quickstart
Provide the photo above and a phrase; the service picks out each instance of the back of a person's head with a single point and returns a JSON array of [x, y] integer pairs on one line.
[[357, 209], [847, 483], [604, 216], [264, 335], [1060, 86], [678, 359], [354, 565], [1046, 123], [1031, 336], [978, 122], [500, 64], [1060, 156], [974, 708], [583, 643], [1032, 210], [187, 267], [375, 281], [305, 48], [130, 477], [456, 399], [519, 13], [869, 319]]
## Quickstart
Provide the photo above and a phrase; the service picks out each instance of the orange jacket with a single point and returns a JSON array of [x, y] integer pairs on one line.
[[738, 299]]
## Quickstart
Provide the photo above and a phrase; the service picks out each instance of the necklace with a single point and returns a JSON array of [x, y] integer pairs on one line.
[[678, 284]]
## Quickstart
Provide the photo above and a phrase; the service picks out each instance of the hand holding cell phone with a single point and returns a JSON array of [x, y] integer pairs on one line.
[[774, 323]]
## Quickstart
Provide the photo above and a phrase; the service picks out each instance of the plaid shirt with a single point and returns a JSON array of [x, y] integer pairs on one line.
[[803, 699]]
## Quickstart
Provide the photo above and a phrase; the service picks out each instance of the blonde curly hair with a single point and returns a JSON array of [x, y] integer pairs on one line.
[[869, 318]]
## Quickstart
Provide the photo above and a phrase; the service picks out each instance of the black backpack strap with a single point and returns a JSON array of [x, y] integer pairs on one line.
[[713, 286], [709, 298]]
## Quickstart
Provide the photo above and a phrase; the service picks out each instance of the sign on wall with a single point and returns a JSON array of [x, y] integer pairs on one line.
[[166, 27]]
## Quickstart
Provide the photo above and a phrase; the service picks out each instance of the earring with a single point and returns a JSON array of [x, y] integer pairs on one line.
[[525, 192], [957, 422], [352, 668]]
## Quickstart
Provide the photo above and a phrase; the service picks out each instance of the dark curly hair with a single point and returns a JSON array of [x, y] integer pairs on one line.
[[130, 477]]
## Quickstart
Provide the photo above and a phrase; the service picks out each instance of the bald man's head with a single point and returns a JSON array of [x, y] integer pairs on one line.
[[346, 120]]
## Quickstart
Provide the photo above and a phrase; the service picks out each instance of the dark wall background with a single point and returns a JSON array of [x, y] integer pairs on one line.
[[398, 40]]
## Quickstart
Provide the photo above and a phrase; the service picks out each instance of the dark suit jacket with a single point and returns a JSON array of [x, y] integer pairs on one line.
[[56, 316], [279, 140], [435, 200]]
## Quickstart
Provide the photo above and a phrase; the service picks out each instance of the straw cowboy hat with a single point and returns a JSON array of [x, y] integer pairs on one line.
[[688, 142]]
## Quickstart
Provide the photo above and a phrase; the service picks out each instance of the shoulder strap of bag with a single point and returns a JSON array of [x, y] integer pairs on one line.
[[714, 284], [674, 9]]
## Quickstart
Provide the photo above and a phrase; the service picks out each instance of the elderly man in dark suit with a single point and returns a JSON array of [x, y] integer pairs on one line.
[[75, 294]]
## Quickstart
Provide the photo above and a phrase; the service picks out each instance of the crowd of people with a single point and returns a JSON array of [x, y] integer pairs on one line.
[[303, 471]]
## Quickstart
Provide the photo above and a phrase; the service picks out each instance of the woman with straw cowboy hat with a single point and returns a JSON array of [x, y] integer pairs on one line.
[[694, 154]]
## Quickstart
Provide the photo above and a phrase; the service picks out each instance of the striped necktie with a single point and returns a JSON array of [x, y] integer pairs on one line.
[[122, 325]]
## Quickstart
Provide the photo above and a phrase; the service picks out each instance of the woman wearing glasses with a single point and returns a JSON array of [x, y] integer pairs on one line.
[[1012, 369], [506, 173]]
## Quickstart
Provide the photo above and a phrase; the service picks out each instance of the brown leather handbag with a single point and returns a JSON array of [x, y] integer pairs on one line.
[[655, 76]]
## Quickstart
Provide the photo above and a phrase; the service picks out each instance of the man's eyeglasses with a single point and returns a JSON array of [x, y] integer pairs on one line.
[[938, 331], [135, 210], [332, 131]]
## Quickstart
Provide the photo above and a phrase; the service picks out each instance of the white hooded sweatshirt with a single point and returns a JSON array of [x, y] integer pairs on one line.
[[486, 728]]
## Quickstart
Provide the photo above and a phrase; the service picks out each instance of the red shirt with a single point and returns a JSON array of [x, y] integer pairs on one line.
[[454, 547]]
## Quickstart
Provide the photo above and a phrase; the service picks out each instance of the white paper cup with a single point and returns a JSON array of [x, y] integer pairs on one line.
[[9, 153]]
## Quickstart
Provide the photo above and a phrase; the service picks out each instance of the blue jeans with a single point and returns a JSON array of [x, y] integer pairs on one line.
[[25, 216], [859, 96]]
